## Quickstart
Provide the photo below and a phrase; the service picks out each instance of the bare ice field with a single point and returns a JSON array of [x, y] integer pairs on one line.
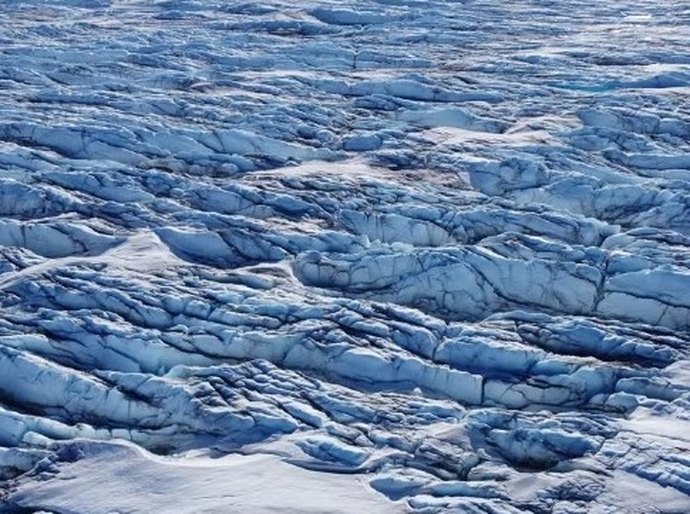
[[375, 256]]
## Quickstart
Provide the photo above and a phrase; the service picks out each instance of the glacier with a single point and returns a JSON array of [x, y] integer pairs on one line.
[[377, 256]]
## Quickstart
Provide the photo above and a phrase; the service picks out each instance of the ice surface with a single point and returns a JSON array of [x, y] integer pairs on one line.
[[375, 256], [135, 481]]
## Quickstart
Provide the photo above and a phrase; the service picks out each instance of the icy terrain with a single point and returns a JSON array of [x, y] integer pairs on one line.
[[373, 256]]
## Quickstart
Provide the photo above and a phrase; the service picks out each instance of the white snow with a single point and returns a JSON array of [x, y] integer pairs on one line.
[[120, 478]]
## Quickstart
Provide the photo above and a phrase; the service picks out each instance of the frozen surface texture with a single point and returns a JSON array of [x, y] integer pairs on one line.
[[373, 256]]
